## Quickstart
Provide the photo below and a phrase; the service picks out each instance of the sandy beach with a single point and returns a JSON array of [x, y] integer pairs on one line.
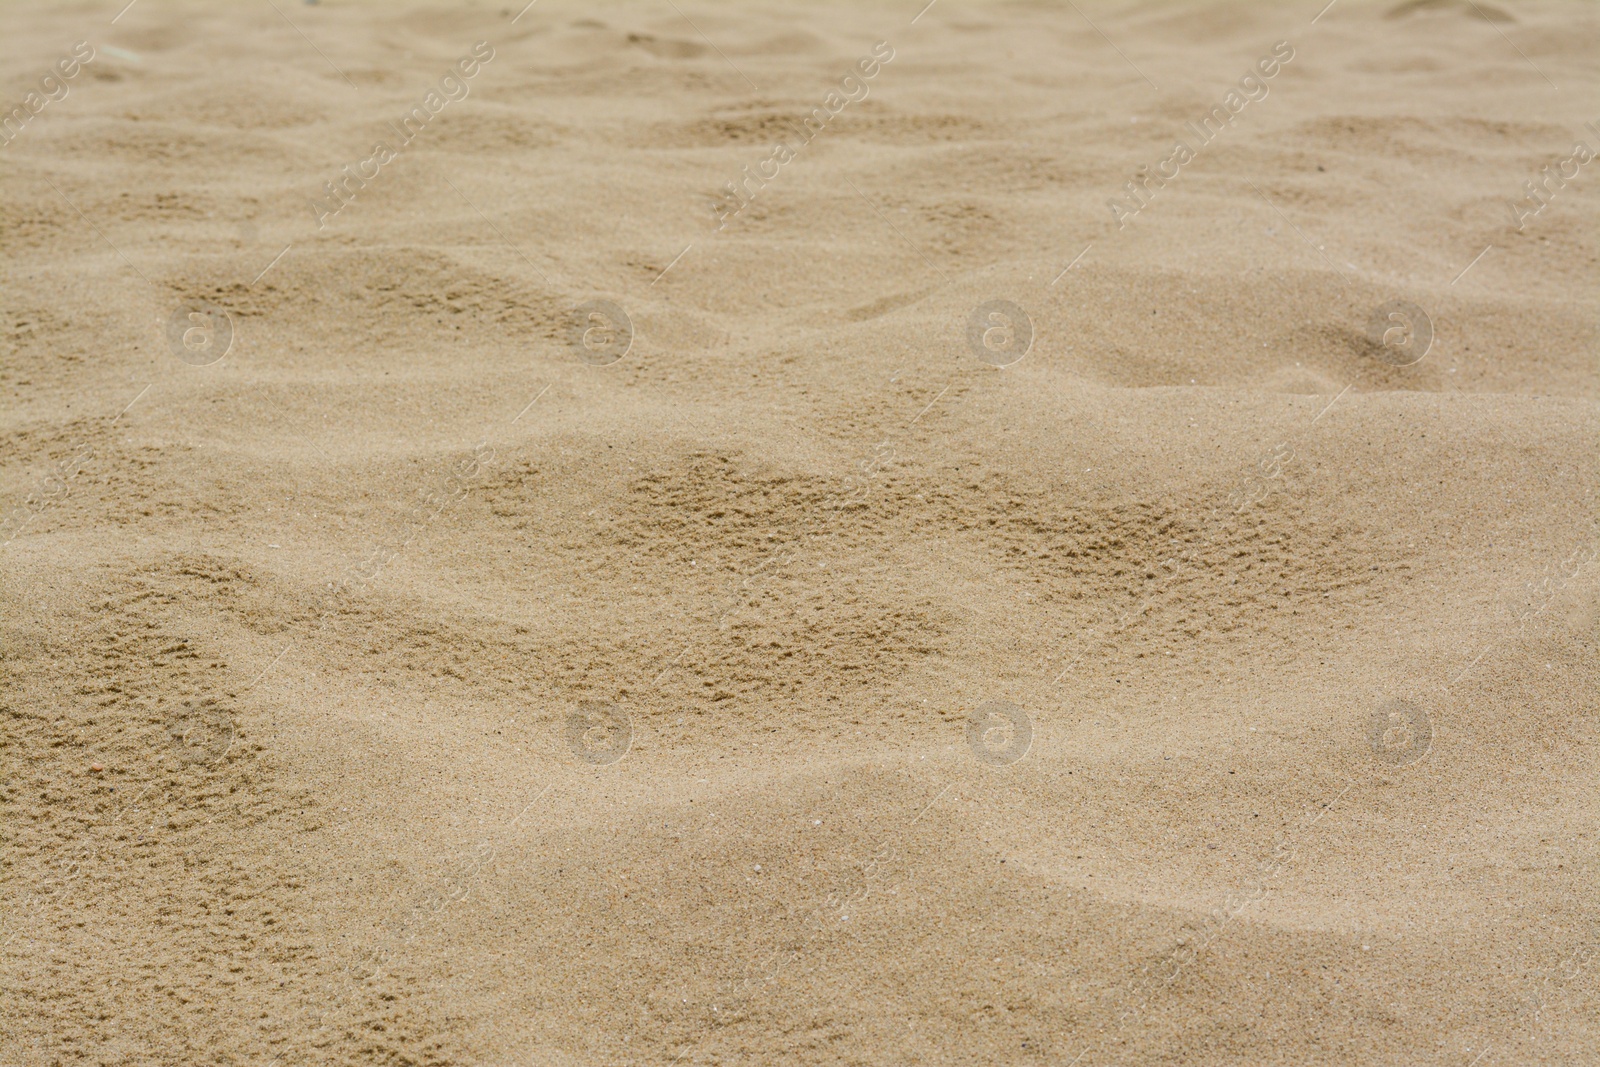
[[727, 533]]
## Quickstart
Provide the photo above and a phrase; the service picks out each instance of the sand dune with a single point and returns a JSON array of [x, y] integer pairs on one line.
[[597, 535]]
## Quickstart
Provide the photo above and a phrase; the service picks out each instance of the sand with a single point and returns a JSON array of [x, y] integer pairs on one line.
[[932, 604]]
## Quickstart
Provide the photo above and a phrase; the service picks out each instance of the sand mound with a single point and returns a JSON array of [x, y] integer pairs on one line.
[[757, 534]]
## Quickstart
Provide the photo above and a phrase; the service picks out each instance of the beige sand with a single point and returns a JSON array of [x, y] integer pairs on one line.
[[1302, 643]]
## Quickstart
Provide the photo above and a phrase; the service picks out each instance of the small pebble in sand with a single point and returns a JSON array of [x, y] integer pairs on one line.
[[96, 767]]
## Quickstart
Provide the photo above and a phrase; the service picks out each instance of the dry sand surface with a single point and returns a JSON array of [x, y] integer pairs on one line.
[[942, 604]]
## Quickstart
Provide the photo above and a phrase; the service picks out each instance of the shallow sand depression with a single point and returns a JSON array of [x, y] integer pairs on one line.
[[687, 533]]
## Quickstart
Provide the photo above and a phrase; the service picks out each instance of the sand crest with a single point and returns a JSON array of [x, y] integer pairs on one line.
[[977, 533]]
